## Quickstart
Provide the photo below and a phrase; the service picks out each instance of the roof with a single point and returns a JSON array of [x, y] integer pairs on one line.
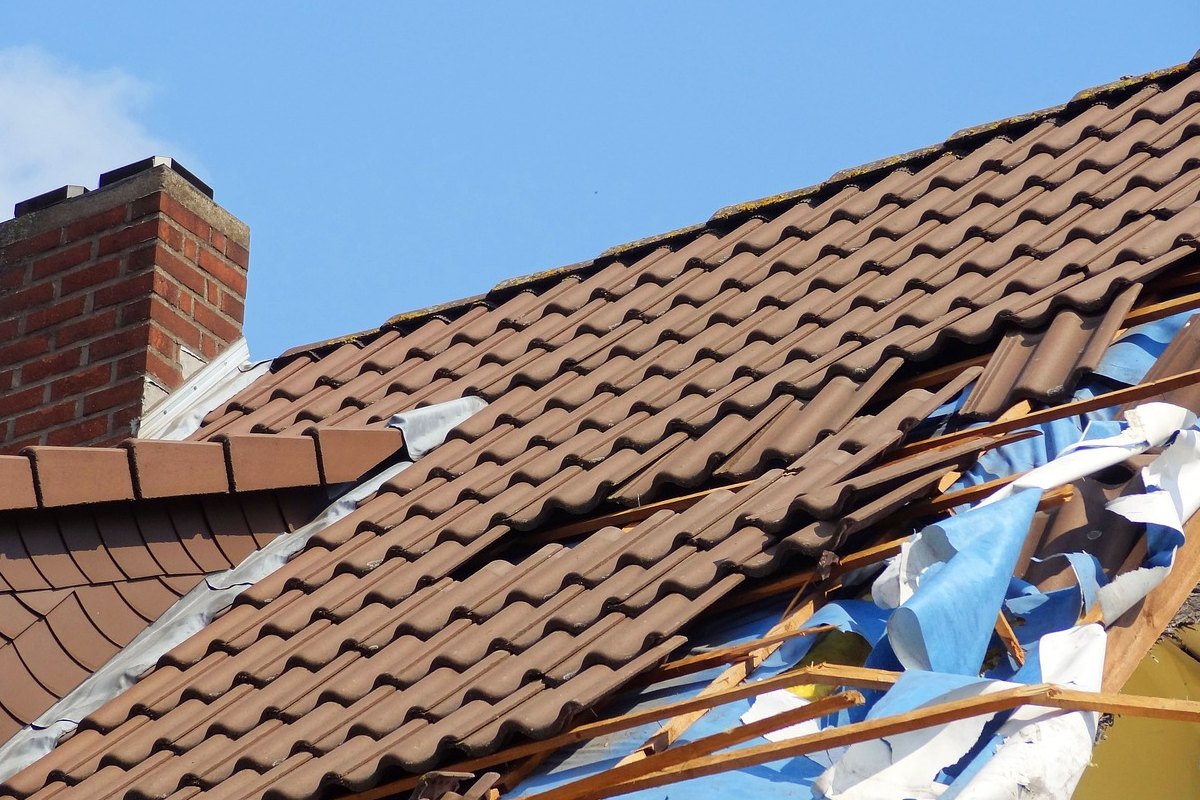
[[775, 359], [84, 570]]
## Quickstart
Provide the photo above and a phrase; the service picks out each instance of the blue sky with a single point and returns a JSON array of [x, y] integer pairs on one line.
[[389, 156]]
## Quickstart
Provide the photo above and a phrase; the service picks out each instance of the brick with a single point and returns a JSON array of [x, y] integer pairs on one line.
[[52, 364], [86, 327], [123, 418], [183, 329], [13, 448], [31, 246], [104, 399], [79, 433], [178, 213], [167, 289], [218, 241], [25, 348], [119, 343], [8, 379], [187, 274], [82, 381], [133, 286], [13, 276], [27, 298], [229, 276], [191, 250], [237, 254], [213, 321], [163, 344], [15, 402], [164, 371], [96, 223], [45, 418], [127, 237], [172, 235], [233, 307], [63, 310], [208, 346], [132, 364], [62, 260], [135, 311], [144, 206], [186, 304], [141, 259], [9, 328], [85, 277]]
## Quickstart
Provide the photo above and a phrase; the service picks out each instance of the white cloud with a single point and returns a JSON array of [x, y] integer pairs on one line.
[[61, 125]]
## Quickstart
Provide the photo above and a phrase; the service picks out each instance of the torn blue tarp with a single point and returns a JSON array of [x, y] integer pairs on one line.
[[960, 571], [1130, 357]]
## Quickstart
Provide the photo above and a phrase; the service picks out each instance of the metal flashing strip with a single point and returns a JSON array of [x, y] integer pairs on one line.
[[180, 413], [427, 426]]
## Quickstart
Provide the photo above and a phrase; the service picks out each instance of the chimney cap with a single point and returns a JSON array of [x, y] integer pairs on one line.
[[47, 199], [129, 170]]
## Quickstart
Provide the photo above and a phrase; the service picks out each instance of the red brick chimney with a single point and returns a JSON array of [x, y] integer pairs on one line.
[[110, 299]]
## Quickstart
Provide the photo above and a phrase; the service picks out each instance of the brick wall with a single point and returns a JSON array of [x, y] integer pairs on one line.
[[108, 301]]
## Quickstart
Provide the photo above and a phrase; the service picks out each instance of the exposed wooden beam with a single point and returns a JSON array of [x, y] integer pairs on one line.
[[1161, 310], [733, 675], [824, 674], [1131, 636], [1009, 638], [1118, 397], [1038, 695], [597, 787], [703, 661], [703, 746]]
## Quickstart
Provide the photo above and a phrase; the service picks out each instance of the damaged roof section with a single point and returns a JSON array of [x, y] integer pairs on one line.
[[750, 408]]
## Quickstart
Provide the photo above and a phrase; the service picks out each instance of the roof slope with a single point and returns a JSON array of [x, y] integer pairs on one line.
[[793, 344]]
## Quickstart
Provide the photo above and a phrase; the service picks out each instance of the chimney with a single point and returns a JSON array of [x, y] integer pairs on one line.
[[109, 299]]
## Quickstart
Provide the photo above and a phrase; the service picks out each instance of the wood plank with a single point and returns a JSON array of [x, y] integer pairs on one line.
[[1131, 637], [732, 676], [724, 655], [824, 674], [803, 745], [1161, 310], [1118, 397], [1009, 638], [1038, 695], [704, 746]]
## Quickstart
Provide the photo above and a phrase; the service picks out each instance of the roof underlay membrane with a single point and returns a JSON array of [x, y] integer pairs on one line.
[[881, 488]]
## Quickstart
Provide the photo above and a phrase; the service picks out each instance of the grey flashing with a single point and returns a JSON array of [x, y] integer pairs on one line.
[[426, 428], [180, 413]]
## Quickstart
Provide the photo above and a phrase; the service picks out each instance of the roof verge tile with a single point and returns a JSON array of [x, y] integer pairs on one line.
[[170, 469], [264, 461], [346, 454], [16, 483], [73, 475]]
